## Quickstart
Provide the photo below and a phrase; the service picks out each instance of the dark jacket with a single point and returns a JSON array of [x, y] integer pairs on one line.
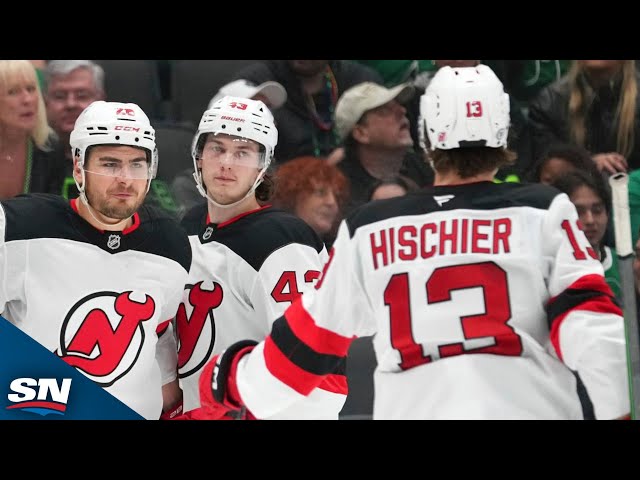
[[47, 172], [549, 120], [296, 129]]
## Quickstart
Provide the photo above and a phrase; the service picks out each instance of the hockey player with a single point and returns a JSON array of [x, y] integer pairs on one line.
[[486, 300], [97, 280], [250, 260]]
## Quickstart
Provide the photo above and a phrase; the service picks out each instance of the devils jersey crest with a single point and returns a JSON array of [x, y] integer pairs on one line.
[[99, 300]]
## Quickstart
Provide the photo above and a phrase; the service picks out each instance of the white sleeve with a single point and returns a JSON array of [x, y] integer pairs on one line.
[[167, 355], [12, 267], [307, 342], [167, 346], [4, 298], [587, 327]]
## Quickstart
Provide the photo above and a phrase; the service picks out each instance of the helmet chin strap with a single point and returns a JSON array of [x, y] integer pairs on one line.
[[203, 192]]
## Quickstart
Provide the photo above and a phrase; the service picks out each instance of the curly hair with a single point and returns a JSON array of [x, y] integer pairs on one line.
[[298, 177]]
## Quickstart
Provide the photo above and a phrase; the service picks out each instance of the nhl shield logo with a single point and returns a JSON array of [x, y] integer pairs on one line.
[[114, 242], [207, 233]]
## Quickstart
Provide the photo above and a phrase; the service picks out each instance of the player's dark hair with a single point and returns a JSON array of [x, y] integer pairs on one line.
[[471, 161]]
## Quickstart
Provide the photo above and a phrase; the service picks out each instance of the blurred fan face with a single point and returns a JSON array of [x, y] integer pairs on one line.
[[319, 208], [67, 96], [308, 68], [592, 213], [555, 168]]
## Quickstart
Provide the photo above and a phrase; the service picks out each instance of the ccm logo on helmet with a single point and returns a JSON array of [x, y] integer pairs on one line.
[[30, 399], [127, 128]]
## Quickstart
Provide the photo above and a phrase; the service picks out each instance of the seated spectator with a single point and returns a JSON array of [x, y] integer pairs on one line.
[[272, 94], [560, 159], [596, 106], [26, 161], [315, 191], [592, 198], [71, 86], [395, 187], [372, 123], [306, 122]]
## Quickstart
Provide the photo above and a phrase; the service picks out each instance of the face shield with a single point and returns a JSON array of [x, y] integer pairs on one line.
[[220, 149]]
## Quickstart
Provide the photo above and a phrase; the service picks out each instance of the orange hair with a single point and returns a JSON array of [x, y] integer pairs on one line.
[[298, 177]]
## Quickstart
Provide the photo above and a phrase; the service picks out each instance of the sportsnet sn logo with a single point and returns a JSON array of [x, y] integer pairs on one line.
[[28, 398]]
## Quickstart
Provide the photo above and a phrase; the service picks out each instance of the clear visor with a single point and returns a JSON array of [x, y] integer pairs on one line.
[[229, 150], [139, 170]]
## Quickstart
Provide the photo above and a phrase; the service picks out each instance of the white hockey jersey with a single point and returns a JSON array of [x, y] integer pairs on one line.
[[486, 301], [103, 301], [245, 273]]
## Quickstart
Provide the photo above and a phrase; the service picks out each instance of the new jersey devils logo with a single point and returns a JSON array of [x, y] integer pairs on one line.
[[102, 335], [195, 326]]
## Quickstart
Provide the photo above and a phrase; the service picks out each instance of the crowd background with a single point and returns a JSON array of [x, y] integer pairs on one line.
[[347, 136]]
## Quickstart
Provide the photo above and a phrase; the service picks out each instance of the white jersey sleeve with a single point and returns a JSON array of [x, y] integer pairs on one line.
[[587, 328], [12, 268], [167, 347], [300, 354]]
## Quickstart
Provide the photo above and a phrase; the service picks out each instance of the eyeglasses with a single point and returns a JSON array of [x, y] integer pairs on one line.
[[134, 171]]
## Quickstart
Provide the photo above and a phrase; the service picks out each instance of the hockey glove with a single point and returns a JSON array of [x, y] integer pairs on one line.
[[219, 396]]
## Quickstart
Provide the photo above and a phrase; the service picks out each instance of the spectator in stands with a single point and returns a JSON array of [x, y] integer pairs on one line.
[[395, 187], [595, 106], [71, 86], [26, 161], [272, 94], [306, 122], [315, 191], [559, 159], [372, 123], [592, 198]]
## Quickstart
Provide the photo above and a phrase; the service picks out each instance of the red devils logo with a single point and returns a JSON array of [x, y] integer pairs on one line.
[[102, 335], [196, 327]]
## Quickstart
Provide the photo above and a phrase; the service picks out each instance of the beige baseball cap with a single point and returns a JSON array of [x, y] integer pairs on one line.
[[273, 91], [361, 98]]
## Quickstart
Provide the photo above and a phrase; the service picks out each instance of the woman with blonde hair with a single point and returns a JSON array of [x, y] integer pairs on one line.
[[26, 164], [595, 106]]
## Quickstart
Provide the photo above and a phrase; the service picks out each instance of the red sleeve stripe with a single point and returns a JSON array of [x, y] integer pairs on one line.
[[319, 339], [162, 327], [601, 304], [281, 367]]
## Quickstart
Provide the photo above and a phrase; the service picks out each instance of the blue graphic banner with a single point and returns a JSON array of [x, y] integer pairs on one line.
[[35, 384]]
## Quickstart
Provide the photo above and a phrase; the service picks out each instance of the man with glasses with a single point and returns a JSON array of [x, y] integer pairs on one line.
[[70, 87], [97, 279]]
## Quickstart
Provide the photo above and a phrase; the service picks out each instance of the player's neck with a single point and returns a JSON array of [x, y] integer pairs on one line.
[[99, 221], [219, 215], [452, 178]]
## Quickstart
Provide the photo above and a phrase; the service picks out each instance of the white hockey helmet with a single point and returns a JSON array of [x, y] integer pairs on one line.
[[114, 123], [240, 117], [464, 107]]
